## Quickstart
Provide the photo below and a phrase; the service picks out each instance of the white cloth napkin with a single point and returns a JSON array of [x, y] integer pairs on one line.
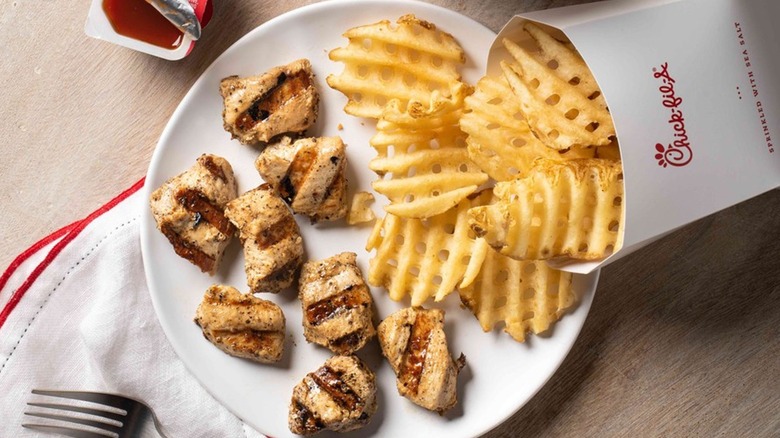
[[86, 322]]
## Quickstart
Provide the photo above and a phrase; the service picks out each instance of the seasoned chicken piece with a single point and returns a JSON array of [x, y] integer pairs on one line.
[[309, 174], [339, 396], [282, 100], [273, 247], [414, 343], [188, 209], [336, 303], [241, 324]]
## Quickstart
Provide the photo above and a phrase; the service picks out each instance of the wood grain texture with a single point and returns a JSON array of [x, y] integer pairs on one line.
[[683, 338]]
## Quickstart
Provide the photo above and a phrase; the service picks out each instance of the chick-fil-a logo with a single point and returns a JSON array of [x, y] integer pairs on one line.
[[678, 152]]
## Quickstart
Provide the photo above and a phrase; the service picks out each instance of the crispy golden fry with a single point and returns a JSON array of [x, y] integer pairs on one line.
[[421, 156], [568, 63], [359, 211], [558, 95], [406, 61], [528, 296], [499, 139], [609, 152], [425, 258], [572, 209]]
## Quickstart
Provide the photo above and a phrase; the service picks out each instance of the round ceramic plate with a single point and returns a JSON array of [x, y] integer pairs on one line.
[[501, 375]]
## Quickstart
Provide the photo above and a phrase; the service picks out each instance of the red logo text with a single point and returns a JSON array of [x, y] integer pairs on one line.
[[677, 153]]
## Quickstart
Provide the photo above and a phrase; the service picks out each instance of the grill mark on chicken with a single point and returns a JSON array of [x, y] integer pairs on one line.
[[187, 250], [208, 163], [416, 352], [350, 298], [196, 202], [197, 219], [281, 229], [334, 184], [301, 165], [297, 173], [285, 271], [286, 88], [331, 382], [347, 342], [286, 190], [254, 113], [305, 420]]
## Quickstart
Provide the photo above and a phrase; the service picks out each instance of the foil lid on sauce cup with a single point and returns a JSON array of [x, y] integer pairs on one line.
[[137, 25]]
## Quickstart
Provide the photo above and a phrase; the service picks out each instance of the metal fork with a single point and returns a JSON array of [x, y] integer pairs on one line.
[[130, 423]]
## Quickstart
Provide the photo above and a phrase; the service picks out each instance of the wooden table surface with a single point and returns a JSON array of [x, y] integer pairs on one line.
[[683, 338]]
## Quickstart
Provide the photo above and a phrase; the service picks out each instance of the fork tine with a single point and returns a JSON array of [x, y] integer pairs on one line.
[[94, 397], [98, 424], [100, 413], [67, 431]]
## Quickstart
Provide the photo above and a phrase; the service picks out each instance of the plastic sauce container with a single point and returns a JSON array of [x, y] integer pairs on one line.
[[135, 24]]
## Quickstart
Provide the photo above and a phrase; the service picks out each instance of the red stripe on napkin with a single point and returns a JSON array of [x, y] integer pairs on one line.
[[70, 232], [21, 258]]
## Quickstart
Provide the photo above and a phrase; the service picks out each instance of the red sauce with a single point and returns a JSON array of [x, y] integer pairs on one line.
[[141, 21]]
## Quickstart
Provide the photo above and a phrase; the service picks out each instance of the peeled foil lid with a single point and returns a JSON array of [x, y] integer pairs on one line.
[[187, 15]]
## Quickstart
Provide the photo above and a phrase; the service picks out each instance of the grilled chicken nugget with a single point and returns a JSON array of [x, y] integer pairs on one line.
[[336, 303], [242, 325], [309, 174], [273, 246], [338, 396], [188, 209], [414, 343], [282, 100]]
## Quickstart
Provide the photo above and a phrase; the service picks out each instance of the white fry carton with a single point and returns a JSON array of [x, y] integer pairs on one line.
[[693, 87]]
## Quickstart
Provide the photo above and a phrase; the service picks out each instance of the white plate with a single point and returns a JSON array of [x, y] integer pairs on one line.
[[501, 374]]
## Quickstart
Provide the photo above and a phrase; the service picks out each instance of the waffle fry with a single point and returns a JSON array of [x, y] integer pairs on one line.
[[528, 296], [558, 95], [421, 155], [425, 258], [609, 152], [407, 61], [570, 64], [499, 139], [572, 209]]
